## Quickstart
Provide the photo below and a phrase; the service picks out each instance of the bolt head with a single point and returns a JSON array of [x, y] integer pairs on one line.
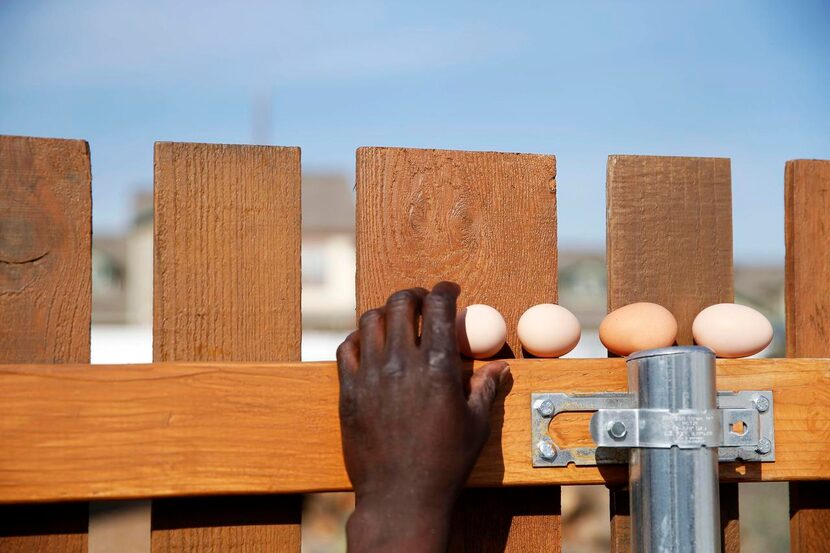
[[545, 408], [764, 446], [546, 450], [761, 404], [617, 430]]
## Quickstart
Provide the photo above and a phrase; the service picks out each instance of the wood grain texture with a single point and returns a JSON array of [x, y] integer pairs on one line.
[[669, 241], [227, 270], [807, 219], [669, 234], [45, 296], [481, 512], [243, 524], [78, 432], [487, 221], [620, 511], [227, 287], [45, 250]]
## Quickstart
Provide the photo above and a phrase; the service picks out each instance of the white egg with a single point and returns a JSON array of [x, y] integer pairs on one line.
[[481, 331], [548, 330], [732, 330]]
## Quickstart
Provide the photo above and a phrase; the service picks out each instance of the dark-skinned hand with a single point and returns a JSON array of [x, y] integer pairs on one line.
[[411, 433]]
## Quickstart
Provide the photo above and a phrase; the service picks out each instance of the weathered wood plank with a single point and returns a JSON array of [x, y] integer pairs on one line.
[[78, 432], [227, 287], [807, 199], [227, 269], [669, 241], [45, 296], [45, 250], [487, 221]]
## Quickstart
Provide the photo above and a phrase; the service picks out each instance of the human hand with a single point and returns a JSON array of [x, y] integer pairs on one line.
[[411, 434]]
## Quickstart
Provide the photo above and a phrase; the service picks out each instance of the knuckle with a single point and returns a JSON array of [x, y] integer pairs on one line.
[[439, 302], [402, 297], [370, 317], [437, 360], [393, 367], [440, 299]]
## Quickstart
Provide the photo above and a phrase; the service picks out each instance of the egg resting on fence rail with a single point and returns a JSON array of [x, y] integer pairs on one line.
[[638, 326], [732, 330], [548, 330], [481, 331]]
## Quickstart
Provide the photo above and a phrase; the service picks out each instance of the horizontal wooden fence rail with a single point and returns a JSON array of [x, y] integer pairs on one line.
[[83, 432]]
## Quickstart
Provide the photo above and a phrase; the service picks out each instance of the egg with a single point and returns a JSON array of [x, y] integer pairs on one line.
[[732, 330], [481, 331], [548, 330], [636, 327]]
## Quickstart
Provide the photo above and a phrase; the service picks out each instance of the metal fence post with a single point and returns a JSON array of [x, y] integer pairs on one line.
[[674, 491]]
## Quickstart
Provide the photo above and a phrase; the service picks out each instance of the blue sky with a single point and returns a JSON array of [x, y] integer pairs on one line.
[[742, 79]]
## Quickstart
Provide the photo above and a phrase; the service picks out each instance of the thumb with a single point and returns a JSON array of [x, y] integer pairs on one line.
[[484, 384]]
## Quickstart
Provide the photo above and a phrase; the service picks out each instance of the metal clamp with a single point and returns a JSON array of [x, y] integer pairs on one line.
[[742, 428]]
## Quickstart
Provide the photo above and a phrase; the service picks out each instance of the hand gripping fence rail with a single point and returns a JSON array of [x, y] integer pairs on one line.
[[672, 428]]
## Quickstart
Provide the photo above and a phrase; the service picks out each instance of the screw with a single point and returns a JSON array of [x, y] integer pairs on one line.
[[764, 446], [545, 408], [761, 404], [617, 430], [547, 450]]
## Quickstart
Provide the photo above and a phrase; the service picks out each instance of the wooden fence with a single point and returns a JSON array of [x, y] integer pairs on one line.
[[226, 428]]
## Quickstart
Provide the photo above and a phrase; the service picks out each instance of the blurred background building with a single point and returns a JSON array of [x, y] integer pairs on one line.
[[123, 279]]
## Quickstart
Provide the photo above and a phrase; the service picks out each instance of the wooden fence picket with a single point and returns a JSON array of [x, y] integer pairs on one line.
[[669, 241], [227, 288], [807, 224], [45, 298], [488, 221]]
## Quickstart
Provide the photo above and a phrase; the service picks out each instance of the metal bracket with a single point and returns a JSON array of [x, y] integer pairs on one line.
[[742, 428]]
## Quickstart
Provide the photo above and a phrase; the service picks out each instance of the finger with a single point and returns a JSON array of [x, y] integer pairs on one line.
[[402, 312], [348, 356], [484, 385], [438, 339], [348, 361], [372, 338]]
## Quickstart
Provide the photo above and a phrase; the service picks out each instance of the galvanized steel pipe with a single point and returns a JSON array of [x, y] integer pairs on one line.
[[675, 506]]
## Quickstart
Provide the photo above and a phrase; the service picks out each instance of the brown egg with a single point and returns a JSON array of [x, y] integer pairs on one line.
[[636, 327], [732, 330]]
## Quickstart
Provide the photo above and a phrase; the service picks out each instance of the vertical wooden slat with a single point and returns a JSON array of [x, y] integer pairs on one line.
[[669, 241], [488, 221], [45, 297], [620, 507], [227, 288], [807, 199]]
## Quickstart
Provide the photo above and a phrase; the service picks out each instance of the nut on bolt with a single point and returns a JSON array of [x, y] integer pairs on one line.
[[761, 404], [764, 446], [617, 430], [545, 407], [546, 450]]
